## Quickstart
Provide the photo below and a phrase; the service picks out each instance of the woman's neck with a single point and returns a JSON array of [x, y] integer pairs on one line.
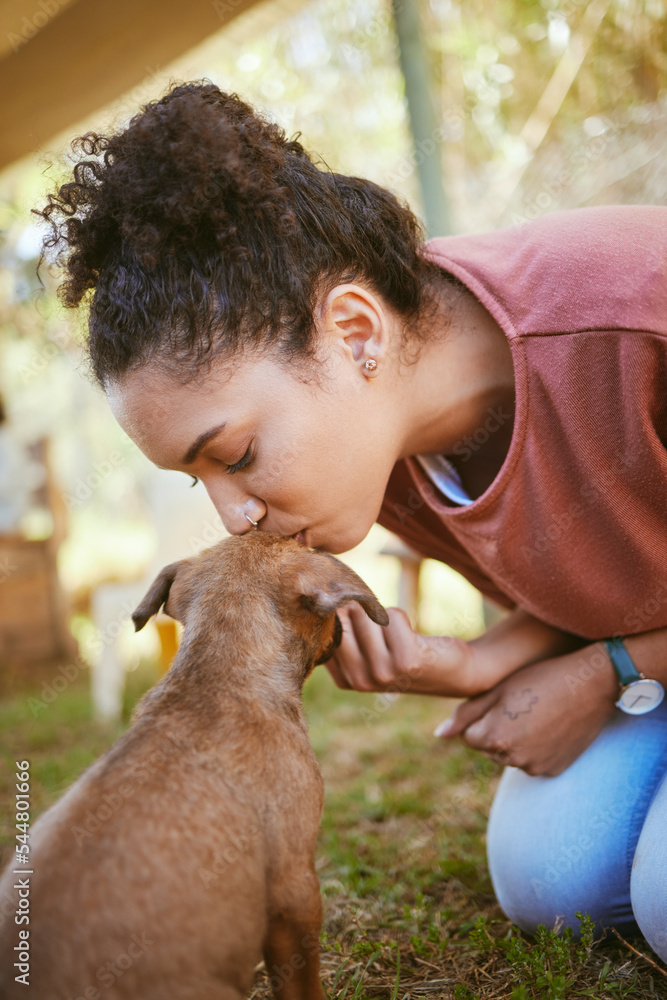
[[459, 395]]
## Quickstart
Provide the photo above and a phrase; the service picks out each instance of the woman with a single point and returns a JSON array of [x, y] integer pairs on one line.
[[281, 333]]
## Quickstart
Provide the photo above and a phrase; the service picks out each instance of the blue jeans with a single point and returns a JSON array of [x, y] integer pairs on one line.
[[592, 839]]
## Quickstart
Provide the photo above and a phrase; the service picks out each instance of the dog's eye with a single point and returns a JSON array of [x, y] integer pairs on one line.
[[242, 462]]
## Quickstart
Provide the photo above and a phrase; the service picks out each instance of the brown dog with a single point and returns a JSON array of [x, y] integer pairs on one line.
[[186, 853]]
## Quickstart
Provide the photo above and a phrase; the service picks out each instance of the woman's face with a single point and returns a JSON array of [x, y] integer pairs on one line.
[[298, 457]]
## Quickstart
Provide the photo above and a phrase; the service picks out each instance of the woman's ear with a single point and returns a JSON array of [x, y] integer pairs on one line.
[[352, 314], [157, 595]]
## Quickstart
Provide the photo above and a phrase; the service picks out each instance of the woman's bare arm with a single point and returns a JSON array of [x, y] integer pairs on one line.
[[376, 658], [514, 642]]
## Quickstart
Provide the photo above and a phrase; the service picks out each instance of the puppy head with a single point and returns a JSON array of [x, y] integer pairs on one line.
[[260, 569]]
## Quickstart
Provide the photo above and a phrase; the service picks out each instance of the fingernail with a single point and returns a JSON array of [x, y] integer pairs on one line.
[[444, 728]]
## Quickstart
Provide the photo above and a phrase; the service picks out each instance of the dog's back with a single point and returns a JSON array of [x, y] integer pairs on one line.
[[173, 849], [187, 851]]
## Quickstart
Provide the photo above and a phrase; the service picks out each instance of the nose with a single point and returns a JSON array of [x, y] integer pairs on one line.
[[240, 512]]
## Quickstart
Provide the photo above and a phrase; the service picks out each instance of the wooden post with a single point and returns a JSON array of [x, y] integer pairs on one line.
[[408, 584]]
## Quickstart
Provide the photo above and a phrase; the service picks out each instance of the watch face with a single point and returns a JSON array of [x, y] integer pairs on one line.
[[641, 696]]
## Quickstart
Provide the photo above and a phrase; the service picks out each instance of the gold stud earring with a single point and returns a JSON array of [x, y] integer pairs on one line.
[[371, 365]]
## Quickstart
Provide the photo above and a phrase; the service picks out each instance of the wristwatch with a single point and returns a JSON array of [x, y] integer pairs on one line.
[[639, 694]]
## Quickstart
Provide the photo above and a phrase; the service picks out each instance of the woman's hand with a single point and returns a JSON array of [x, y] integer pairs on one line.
[[543, 716], [393, 657]]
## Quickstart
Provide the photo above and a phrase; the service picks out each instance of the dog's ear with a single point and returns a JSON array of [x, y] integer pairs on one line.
[[325, 586], [156, 596]]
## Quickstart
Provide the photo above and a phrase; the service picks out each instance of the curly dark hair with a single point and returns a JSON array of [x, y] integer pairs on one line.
[[204, 230]]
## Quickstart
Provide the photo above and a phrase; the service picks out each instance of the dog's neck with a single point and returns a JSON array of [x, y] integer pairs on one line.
[[234, 658]]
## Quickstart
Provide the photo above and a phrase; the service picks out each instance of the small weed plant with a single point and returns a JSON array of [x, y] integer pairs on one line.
[[551, 966]]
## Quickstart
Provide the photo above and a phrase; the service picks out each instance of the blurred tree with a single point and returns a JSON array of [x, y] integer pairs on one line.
[[550, 104]]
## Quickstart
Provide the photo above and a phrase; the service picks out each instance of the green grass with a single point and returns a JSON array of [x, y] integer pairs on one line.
[[409, 909]]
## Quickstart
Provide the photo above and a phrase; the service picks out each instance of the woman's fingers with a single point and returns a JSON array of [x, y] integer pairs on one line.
[[373, 657], [403, 651], [486, 736], [349, 666], [337, 675], [467, 713], [394, 657]]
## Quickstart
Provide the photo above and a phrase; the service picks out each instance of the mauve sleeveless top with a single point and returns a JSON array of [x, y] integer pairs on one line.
[[574, 526]]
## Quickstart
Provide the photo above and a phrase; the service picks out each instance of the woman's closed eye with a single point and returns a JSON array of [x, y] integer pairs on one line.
[[242, 462]]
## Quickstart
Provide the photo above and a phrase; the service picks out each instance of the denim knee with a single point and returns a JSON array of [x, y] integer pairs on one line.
[[591, 839], [546, 868], [648, 883]]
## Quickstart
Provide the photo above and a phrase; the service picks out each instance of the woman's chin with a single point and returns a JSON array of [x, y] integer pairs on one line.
[[339, 542]]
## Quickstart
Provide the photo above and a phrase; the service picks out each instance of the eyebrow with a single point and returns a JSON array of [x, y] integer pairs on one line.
[[194, 450]]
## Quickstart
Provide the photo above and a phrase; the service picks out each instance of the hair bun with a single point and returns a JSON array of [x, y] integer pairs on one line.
[[195, 161], [183, 173]]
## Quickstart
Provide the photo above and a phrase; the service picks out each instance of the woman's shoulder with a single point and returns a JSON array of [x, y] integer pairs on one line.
[[583, 269], [610, 228]]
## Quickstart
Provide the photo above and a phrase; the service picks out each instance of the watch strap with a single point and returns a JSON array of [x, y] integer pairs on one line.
[[622, 661]]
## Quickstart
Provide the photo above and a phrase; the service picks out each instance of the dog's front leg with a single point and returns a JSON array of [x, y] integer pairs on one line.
[[292, 957]]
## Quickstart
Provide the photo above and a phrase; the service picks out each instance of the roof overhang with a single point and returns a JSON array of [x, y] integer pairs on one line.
[[62, 60]]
